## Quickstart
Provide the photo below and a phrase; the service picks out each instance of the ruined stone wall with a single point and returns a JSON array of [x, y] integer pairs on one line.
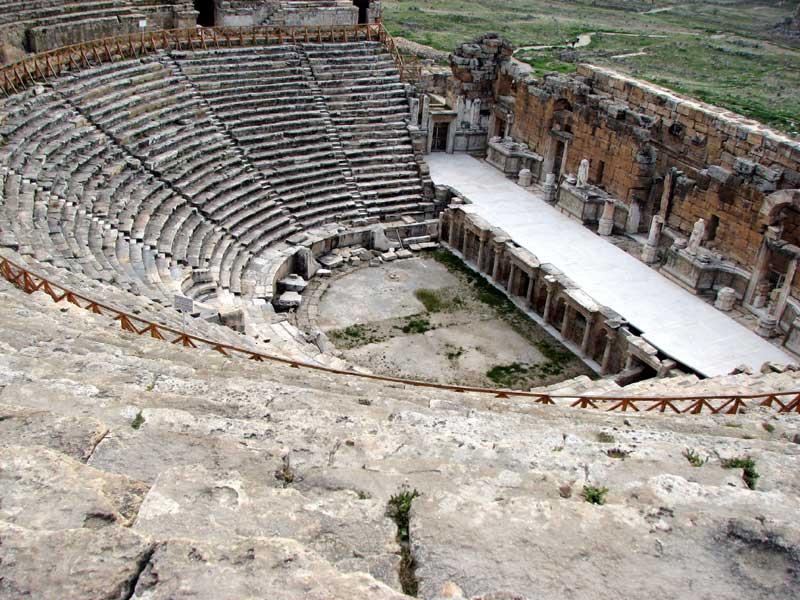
[[634, 134], [475, 67]]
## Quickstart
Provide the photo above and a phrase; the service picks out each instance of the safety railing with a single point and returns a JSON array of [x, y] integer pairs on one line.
[[39, 68], [779, 401]]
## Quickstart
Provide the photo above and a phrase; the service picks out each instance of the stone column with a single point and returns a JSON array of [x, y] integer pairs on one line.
[[496, 267], [475, 114], [650, 250], [460, 111], [512, 272], [451, 233], [565, 320], [634, 216], [529, 292], [726, 297], [587, 336], [464, 242], [481, 248], [426, 111], [606, 223], [548, 302], [605, 365], [550, 188], [766, 325], [413, 109]]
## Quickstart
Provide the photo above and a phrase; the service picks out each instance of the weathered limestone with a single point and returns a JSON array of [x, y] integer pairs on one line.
[[696, 239], [650, 249], [726, 298], [223, 516], [583, 173], [525, 177], [44, 489], [606, 223], [550, 188], [70, 563], [255, 568]]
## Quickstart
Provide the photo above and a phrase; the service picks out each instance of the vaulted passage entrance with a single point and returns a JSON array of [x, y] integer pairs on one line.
[[363, 10], [206, 11]]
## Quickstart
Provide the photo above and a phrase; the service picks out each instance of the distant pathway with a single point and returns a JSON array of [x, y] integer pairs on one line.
[[680, 324], [584, 39]]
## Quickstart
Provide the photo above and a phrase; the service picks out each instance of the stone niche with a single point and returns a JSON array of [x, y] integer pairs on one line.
[[511, 157], [584, 203]]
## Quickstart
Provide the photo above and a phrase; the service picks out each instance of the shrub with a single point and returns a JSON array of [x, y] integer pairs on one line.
[[748, 465], [694, 458], [417, 326], [594, 495], [138, 420]]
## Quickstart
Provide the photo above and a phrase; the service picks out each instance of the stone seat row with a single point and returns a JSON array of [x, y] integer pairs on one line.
[[132, 173], [155, 224], [52, 13]]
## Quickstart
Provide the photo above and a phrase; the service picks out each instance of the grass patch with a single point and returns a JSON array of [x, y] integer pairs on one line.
[[694, 458], [617, 453], [605, 438], [453, 353], [352, 332], [399, 510], [507, 375], [748, 466], [138, 420], [594, 495], [417, 326], [354, 336], [747, 69], [430, 300]]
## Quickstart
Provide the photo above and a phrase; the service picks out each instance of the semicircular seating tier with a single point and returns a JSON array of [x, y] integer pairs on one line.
[[185, 172]]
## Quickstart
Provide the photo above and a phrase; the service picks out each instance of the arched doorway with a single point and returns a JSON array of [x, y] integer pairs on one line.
[[363, 11], [205, 10], [774, 275]]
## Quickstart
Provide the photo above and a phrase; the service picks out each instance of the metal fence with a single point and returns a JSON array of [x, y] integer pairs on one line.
[[778, 401]]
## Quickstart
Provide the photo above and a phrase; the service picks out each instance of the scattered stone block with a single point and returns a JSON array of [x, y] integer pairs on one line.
[[331, 261], [404, 253], [293, 283], [324, 272], [288, 300], [389, 256]]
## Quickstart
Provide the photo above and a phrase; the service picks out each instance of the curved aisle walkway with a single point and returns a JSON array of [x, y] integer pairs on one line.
[[681, 325]]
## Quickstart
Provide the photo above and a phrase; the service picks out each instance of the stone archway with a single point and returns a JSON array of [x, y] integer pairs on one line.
[[363, 11], [774, 272], [206, 12]]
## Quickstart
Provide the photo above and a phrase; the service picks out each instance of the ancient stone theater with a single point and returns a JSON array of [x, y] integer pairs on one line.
[[289, 313]]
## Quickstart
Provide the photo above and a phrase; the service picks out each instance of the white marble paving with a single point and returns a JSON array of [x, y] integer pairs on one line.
[[672, 319]]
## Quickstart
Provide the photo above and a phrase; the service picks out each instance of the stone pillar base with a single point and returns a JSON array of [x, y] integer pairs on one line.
[[605, 226], [726, 297], [766, 326], [649, 254]]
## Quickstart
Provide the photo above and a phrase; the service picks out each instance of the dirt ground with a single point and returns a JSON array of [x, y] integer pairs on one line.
[[429, 319]]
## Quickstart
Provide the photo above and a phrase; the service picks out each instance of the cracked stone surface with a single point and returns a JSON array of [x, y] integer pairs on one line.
[[76, 437], [187, 504], [254, 568], [42, 489], [95, 564]]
